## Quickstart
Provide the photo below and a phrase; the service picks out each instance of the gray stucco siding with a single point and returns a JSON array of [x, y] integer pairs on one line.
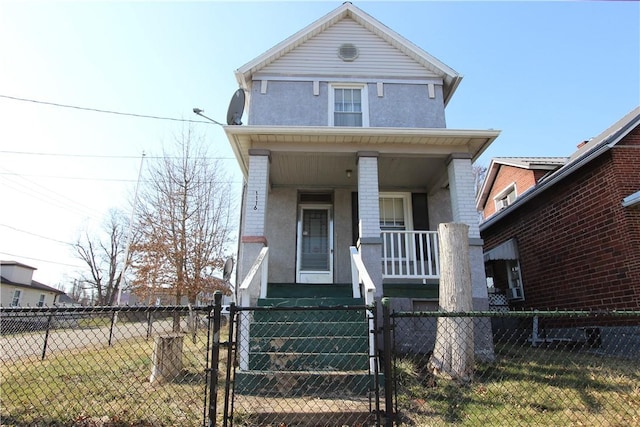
[[288, 103], [292, 103], [281, 235], [282, 217], [407, 106]]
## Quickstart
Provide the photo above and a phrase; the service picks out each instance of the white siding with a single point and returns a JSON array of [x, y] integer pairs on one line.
[[318, 56]]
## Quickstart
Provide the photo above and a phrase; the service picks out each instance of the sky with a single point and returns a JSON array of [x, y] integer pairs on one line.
[[547, 74]]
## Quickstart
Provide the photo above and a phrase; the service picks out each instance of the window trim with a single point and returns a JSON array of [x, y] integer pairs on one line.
[[504, 195], [42, 300], [408, 208], [364, 99], [17, 296]]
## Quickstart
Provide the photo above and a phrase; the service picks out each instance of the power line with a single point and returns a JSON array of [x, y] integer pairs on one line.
[[80, 178], [98, 110], [36, 235], [51, 197], [42, 260], [98, 156]]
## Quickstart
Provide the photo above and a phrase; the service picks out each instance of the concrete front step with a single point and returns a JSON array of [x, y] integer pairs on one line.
[[294, 384]]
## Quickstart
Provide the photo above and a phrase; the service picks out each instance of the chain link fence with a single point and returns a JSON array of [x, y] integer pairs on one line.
[[104, 366], [541, 368], [317, 366], [305, 366]]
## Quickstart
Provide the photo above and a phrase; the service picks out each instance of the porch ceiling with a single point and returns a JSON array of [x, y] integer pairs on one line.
[[320, 156]]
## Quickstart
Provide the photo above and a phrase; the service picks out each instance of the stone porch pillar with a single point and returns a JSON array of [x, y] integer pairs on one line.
[[370, 243]]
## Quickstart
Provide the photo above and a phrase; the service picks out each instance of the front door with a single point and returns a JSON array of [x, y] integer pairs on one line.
[[315, 244]]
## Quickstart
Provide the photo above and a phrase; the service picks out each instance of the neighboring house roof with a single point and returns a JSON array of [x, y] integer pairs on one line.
[[18, 264], [531, 163], [585, 154], [451, 79], [33, 285]]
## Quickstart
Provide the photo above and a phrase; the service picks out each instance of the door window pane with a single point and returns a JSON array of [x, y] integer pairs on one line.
[[315, 240]]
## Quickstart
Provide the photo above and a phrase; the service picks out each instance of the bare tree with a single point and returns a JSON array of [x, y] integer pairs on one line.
[[104, 257], [184, 223], [479, 175]]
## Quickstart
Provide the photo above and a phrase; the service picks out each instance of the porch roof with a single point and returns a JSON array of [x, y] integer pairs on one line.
[[427, 142]]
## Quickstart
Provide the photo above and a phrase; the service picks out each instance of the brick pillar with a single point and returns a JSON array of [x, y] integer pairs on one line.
[[253, 232], [369, 221]]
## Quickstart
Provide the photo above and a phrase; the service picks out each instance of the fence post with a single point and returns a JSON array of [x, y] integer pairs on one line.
[[149, 323], [230, 354], [388, 372], [215, 354], [114, 315], [46, 335]]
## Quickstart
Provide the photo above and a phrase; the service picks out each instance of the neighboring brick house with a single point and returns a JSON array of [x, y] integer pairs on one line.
[[18, 289], [572, 240]]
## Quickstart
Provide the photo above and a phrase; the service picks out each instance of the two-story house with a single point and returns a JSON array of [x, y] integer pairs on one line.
[[18, 288], [349, 170], [347, 145]]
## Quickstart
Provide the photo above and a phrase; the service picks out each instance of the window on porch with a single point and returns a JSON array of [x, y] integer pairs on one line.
[[406, 253]]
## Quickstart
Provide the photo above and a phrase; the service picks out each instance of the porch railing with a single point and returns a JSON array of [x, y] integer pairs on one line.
[[251, 288], [360, 275], [410, 255]]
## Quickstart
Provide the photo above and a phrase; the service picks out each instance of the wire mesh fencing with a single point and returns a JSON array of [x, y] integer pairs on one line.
[[305, 366], [516, 368], [104, 366]]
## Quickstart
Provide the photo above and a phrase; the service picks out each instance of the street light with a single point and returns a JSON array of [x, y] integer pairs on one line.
[[199, 112]]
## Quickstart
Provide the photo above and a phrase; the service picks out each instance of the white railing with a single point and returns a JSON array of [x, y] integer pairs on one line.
[[410, 255], [250, 290], [360, 276]]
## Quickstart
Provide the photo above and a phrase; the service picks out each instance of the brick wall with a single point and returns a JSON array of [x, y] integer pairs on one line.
[[579, 248], [507, 175]]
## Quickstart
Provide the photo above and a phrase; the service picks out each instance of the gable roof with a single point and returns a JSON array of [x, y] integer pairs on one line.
[[451, 79], [33, 285], [531, 163], [584, 155]]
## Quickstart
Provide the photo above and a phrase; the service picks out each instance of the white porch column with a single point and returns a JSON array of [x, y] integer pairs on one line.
[[253, 228], [370, 243], [462, 191]]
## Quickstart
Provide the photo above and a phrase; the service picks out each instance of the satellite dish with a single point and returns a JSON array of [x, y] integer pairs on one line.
[[236, 108], [228, 268]]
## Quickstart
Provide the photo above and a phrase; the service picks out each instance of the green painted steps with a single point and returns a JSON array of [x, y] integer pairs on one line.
[[294, 384], [307, 351]]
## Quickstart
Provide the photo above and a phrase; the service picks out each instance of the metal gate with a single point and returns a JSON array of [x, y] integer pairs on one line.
[[297, 365]]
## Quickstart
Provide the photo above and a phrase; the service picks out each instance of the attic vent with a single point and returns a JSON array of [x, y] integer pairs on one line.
[[348, 52]]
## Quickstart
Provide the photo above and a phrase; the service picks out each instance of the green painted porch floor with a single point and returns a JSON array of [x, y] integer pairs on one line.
[[309, 290], [412, 290]]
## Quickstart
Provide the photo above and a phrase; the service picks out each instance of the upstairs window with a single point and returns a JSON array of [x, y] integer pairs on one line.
[[349, 106], [505, 198]]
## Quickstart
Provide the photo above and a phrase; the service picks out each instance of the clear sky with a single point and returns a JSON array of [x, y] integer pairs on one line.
[[547, 74]]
